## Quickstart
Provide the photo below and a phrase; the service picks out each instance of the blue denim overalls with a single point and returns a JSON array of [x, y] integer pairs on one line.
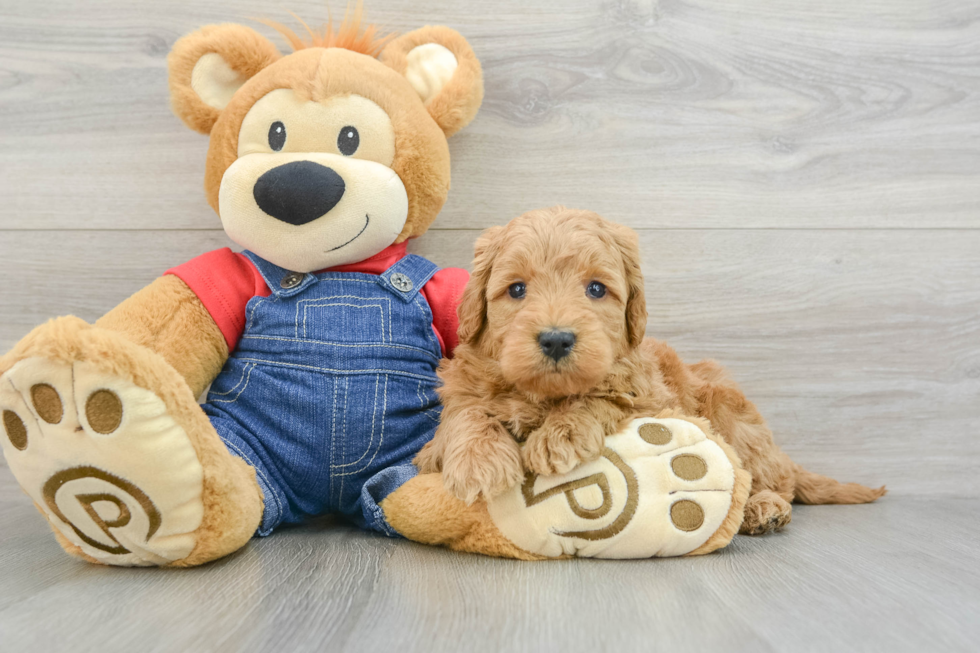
[[331, 391]]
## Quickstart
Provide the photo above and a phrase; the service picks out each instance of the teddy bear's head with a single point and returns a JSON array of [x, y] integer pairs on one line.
[[330, 154]]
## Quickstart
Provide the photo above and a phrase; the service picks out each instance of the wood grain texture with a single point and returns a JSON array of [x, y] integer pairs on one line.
[[840, 578], [805, 178], [702, 113]]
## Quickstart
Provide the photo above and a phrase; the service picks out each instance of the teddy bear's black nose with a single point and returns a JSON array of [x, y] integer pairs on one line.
[[556, 344], [298, 192]]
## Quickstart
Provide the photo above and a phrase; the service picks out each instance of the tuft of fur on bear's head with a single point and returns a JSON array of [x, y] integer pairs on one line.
[[349, 36], [327, 155]]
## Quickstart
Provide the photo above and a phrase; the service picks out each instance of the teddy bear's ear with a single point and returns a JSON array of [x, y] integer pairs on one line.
[[441, 66], [208, 66]]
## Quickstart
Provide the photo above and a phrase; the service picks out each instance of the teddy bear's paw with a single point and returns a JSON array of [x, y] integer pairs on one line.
[[103, 460], [660, 488]]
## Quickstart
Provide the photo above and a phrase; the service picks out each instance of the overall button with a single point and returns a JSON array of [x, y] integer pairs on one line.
[[291, 280], [402, 282]]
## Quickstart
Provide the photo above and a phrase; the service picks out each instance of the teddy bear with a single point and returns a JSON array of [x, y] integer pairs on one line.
[[318, 343]]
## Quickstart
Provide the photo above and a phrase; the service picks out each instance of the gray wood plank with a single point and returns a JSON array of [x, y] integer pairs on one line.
[[861, 348], [855, 578], [677, 114]]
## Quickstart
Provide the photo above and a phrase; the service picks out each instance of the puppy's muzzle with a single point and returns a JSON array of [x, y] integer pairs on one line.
[[556, 345], [298, 192]]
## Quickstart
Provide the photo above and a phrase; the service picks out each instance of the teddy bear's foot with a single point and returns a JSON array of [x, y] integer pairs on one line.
[[123, 476], [662, 487], [103, 461]]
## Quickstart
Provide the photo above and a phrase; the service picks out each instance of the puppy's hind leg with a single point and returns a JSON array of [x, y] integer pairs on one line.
[[765, 512]]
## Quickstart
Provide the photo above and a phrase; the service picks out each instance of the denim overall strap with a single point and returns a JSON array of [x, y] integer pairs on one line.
[[405, 278], [282, 282]]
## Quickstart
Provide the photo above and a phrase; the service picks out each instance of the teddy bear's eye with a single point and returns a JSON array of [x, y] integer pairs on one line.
[[277, 136], [348, 140]]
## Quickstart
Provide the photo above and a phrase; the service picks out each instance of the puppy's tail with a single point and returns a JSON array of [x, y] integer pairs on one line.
[[816, 489]]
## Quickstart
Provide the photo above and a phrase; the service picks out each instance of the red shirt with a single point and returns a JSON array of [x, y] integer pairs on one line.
[[225, 281]]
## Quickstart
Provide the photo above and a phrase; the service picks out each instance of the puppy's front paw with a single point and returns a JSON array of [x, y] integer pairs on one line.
[[559, 447], [429, 459], [485, 467]]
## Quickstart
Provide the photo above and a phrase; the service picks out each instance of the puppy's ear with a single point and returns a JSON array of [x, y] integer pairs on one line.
[[442, 68], [472, 311], [207, 67], [636, 304]]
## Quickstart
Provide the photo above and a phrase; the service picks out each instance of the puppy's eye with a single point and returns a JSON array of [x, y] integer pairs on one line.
[[348, 140], [595, 290], [517, 290], [277, 136]]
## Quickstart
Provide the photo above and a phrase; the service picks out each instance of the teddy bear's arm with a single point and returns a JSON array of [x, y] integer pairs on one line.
[[168, 318]]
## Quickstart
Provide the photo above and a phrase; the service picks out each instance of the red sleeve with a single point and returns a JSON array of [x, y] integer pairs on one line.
[[224, 282], [443, 292]]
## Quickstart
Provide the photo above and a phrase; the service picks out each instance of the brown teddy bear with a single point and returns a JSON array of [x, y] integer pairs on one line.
[[320, 342]]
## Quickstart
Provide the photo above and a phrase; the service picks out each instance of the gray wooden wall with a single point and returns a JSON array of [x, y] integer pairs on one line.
[[805, 178]]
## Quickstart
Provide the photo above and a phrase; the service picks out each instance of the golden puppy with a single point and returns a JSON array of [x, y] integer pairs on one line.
[[552, 353]]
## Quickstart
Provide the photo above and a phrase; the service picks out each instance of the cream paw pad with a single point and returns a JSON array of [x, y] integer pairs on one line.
[[661, 488], [102, 459]]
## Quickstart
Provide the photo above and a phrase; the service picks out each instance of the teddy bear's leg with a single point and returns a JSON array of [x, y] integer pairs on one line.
[[108, 440], [664, 486], [422, 510]]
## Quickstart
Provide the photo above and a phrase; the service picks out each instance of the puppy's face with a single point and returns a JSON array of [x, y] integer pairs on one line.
[[561, 300]]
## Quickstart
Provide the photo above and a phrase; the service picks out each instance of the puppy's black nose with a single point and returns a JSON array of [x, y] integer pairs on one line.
[[556, 344], [298, 192]]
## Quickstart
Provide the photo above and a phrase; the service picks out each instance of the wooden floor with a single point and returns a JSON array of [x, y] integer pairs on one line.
[[900, 576], [805, 178]]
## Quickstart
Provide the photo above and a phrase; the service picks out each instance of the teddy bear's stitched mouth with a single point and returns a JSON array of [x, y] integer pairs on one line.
[[367, 221]]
